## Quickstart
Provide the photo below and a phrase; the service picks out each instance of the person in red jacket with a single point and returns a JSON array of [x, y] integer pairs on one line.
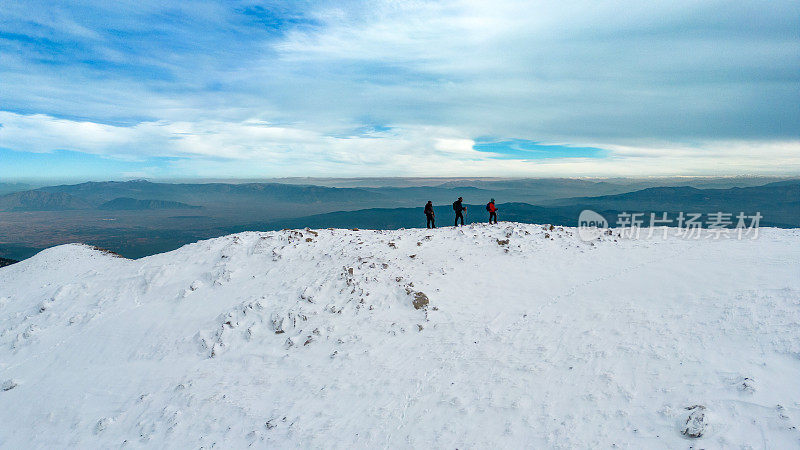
[[492, 211]]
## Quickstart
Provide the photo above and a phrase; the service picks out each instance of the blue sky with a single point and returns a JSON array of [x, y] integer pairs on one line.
[[524, 150], [109, 90]]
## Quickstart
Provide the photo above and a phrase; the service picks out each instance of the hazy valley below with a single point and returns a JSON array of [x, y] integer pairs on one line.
[[140, 218]]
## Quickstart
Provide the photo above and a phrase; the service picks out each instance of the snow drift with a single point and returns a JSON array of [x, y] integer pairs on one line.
[[503, 336]]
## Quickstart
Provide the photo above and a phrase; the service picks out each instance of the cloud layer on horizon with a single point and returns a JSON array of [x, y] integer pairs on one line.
[[405, 88]]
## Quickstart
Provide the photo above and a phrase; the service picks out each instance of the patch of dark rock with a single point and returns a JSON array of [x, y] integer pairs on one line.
[[106, 251], [747, 385], [7, 262], [420, 300], [696, 423]]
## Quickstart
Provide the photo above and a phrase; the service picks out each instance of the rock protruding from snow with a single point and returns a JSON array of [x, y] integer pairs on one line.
[[696, 423], [747, 385], [420, 300]]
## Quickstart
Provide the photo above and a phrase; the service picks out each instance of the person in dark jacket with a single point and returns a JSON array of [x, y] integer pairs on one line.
[[492, 211], [459, 210], [430, 215]]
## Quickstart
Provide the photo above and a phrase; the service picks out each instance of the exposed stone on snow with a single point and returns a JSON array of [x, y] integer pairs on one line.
[[782, 412], [102, 424], [696, 423], [8, 385], [747, 385], [420, 300]]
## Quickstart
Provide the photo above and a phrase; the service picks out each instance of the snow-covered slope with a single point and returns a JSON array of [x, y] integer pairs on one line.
[[311, 339]]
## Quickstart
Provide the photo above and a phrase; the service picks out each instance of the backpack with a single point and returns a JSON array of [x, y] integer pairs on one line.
[[455, 207], [487, 206]]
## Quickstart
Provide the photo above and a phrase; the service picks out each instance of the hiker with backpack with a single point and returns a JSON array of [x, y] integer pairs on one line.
[[430, 215], [459, 210], [492, 211]]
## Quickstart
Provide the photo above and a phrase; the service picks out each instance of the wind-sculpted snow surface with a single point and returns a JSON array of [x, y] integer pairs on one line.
[[479, 337]]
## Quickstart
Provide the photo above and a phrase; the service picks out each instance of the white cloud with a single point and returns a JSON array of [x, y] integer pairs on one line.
[[255, 148], [668, 87]]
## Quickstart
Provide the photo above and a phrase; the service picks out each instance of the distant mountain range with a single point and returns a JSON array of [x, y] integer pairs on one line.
[[41, 201], [132, 204], [208, 193], [140, 218], [544, 192], [61, 201], [556, 184], [7, 188], [779, 202], [686, 197]]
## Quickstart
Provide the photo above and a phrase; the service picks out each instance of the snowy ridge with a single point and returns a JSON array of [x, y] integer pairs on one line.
[[321, 338]]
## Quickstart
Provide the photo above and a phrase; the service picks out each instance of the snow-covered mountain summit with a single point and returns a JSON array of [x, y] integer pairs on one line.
[[484, 336]]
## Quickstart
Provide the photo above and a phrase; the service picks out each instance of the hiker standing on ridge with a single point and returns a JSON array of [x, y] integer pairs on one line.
[[430, 215], [459, 210], [492, 211]]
